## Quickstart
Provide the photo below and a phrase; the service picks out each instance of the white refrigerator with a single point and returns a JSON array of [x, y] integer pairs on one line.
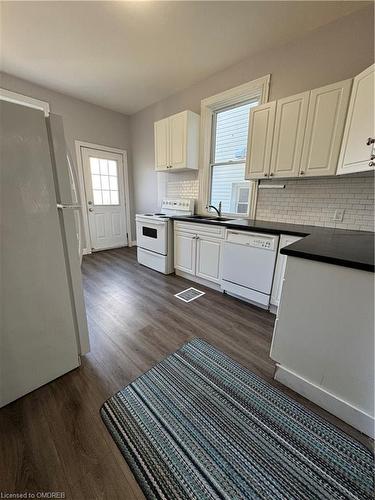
[[43, 317]]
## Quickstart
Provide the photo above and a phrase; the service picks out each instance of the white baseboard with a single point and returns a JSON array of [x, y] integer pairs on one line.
[[133, 243], [201, 281], [344, 410], [86, 251]]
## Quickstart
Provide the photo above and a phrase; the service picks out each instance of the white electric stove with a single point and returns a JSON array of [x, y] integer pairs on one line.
[[155, 234]]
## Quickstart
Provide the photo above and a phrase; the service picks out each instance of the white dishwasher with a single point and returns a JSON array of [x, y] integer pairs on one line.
[[248, 265]]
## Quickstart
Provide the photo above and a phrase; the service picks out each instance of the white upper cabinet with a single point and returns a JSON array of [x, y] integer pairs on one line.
[[261, 125], [324, 128], [358, 151], [177, 142], [290, 124], [161, 130]]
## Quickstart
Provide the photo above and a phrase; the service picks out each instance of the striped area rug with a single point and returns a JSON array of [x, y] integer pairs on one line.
[[200, 426]]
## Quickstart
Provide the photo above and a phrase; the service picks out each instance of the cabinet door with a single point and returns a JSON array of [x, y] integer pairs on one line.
[[325, 125], [356, 150], [184, 252], [161, 134], [278, 278], [290, 124], [177, 140], [208, 258], [261, 125]]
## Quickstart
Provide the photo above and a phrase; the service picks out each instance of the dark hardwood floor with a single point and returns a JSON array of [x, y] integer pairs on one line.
[[54, 440]]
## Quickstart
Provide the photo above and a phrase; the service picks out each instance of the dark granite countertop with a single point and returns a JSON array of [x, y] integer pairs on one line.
[[342, 247]]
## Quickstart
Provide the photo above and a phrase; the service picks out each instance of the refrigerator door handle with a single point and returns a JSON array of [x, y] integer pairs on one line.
[[61, 206]]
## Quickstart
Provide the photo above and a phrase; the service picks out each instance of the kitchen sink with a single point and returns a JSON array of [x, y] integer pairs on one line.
[[209, 217], [217, 218]]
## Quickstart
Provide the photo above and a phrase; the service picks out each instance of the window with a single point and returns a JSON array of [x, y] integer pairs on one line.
[[104, 180], [228, 156], [224, 131]]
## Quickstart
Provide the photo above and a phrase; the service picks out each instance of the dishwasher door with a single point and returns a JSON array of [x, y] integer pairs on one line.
[[248, 265]]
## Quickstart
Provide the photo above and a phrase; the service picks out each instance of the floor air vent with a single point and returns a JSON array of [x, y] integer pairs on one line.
[[189, 294]]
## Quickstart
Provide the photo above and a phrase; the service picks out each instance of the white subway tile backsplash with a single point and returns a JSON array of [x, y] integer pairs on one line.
[[303, 201], [183, 185], [314, 201]]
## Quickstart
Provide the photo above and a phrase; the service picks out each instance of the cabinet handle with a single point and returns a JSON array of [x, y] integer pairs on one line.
[[265, 175], [371, 164], [302, 172], [370, 141], [271, 174], [372, 157]]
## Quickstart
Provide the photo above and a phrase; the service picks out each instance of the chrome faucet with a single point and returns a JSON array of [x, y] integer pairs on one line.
[[217, 210]]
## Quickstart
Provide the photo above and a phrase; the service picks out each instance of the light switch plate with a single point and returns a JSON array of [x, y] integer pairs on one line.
[[339, 215]]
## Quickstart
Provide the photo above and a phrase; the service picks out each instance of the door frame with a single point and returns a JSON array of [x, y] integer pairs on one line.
[[82, 144]]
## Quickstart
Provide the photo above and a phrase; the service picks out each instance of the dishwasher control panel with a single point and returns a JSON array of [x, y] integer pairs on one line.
[[256, 240], [261, 243]]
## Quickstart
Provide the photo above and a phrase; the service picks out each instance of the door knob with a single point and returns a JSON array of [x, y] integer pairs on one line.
[[91, 209], [370, 141], [89, 202], [371, 164]]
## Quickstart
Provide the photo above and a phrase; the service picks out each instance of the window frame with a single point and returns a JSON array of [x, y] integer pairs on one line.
[[236, 96]]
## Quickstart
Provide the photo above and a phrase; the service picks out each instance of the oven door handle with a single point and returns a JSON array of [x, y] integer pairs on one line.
[[150, 224]]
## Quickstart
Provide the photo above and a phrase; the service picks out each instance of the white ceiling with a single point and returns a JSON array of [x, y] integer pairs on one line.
[[127, 55]]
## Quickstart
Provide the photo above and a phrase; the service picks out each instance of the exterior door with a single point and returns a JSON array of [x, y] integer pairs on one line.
[[290, 123], [104, 187], [184, 252]]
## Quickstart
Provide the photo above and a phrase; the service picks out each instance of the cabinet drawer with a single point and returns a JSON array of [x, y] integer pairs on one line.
[[200, 229]]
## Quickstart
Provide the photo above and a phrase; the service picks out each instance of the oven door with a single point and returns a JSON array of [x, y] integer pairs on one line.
[[152, 235]]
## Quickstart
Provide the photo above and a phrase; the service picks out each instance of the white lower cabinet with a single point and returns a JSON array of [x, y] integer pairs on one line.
[[185, 245], [198, 250], [278, 278], [208, 258]]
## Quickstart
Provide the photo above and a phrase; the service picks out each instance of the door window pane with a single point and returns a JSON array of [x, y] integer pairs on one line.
[[96, 182], [94, 165], [113, 183], [112, 167], [98, 197], [104, 181], [114, 198], [104, 167], [106, 197]]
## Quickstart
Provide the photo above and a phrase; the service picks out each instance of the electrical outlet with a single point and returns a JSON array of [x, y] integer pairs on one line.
[[339, 215]]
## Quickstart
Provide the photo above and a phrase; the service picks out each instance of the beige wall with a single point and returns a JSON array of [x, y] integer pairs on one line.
[[82, 121], [331, 53]]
